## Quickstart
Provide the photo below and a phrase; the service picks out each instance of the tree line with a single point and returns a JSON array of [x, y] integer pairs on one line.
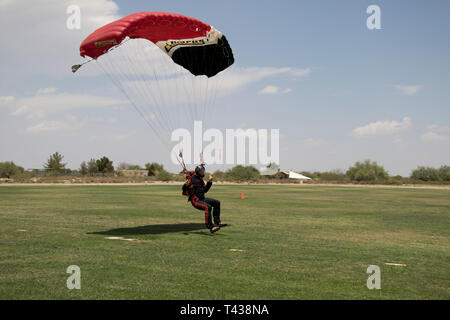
[[55, 166], [361, 172]]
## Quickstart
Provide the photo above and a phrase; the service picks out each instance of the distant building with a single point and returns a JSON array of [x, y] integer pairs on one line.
[[133, 173]]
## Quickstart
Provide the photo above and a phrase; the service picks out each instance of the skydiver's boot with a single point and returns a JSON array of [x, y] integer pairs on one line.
[[214, 229], [221, 224]]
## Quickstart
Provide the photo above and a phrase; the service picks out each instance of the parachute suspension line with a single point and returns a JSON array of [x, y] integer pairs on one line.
[[189, 108], [179, 79], [159, 106], [210, 63], [181, 161], [189, 80], [163, 118], [218, 78], [217, 85], [142, 91], [118, 82], [205, 86], [129, 77], [197, 92], [118, 85], [126, 78]]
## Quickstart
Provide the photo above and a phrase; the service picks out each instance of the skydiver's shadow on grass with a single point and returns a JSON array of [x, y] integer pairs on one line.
[[153, 229]]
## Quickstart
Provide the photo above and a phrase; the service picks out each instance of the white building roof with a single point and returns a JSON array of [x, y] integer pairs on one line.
[[295, 175]]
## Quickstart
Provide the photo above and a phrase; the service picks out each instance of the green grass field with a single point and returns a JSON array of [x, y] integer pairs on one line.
[[291, 242]]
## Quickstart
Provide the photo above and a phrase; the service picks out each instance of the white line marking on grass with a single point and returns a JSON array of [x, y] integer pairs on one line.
[[127, 239]]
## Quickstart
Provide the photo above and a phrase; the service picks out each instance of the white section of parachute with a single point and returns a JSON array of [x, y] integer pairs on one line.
[[171, 45]]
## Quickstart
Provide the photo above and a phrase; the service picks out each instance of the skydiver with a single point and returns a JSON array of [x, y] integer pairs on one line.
[[195, 188]]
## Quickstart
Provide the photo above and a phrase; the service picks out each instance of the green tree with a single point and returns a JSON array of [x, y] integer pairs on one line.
[[425, 174], [54, 163], [219, 175], [84, 170], [367, 171], [92, 167], [153, 168], [241, 173], [9, 169], [163, 175], [104, 165], [444, 173], [333, 175], [135, 167]]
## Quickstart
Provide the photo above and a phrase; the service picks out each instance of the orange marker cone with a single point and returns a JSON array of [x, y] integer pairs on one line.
[[242, 196]]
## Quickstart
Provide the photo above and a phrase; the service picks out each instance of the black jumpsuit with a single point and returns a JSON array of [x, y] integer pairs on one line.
[[198, 200]]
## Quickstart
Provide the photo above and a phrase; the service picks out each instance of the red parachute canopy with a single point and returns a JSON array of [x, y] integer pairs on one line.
[[196, 40]]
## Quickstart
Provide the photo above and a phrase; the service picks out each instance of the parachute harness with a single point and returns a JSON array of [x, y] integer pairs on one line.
[[187, 189]]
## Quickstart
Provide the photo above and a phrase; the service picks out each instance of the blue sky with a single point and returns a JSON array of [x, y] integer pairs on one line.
[[367, 94]]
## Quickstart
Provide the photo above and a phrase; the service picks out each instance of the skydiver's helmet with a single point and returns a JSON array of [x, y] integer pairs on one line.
[[200, 170]]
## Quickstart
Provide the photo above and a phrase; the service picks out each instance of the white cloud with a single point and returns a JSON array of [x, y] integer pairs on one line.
[[46, 91], [438, 128], [51, 125], [41, 104], [409, 90], [236, 78], [300, 72], [269, 90], [382, 128], [40, 42], [66, 123], [49, 110], [312, 142], [6, 100], [436, 133], [434, 137]]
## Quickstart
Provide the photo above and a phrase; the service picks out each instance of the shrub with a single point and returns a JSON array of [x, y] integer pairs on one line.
[[153, 168], [444, 173], [334, 175], [163, 175], [241, 173], [367, 171], [425, 174], [219, 175], [9, 169]]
